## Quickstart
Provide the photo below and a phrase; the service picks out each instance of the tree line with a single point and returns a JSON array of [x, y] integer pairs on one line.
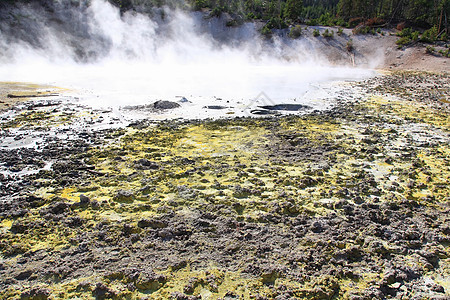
[[424, 14]]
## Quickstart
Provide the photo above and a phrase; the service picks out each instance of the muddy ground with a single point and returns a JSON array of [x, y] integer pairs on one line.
[[350, 203]]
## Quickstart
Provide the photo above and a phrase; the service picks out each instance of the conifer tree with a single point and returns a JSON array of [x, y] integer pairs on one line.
[[293, 9]]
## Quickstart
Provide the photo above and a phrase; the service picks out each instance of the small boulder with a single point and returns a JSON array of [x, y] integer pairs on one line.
[[145, 164], [164, 104], [124, 196], [84, 200]]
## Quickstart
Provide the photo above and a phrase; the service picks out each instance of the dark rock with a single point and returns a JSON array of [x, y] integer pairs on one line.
[[178, 264], [164, 104], [286, 107], [179, 296], [127, 229], [317, 227], [57, 208], [262, 112], [24, 275], [152, 223], [124, 196], [18, 227], [215, 107], [84, 200], [74, 222], [36, 293], [135, 237], [101, 291], [95, 204], [437, 288], [150, 281], [146, 164], [269, 275]]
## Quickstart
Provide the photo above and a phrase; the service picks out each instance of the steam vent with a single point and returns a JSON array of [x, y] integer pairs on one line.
[[236, 150]]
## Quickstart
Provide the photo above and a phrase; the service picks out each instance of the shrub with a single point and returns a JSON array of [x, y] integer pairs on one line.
[[327, 19], [266, 31], [407, 36], [250, 16], [295, 32], [430, 50], [328, 34], [402, 41], [430, 35], [233, 23], [312, 22], [316, 33], [361, 29], [341, 22], [199, 4], [406, 32], [276, 23], [445, 53], [217, 11], [340, 31], [415, 36], [350, 46]]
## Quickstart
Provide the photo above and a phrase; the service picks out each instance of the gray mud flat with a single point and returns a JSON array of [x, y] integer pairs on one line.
[[351, 203]]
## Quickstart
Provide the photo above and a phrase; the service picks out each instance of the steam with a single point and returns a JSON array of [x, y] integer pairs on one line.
[[132, 58]]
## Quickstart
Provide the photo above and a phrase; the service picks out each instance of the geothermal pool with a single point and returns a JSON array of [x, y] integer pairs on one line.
[[106, 59]]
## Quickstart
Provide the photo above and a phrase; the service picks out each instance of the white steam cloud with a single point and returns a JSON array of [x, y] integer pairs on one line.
[[123, 59]]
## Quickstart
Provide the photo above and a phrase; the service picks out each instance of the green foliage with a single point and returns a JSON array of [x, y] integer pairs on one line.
[[361, 29], [341, 22], [250, 16], [406, 32], [407, 36], [276, 23], [316, 33], [430, 35], [445, 53], [349, 45], [293, 9], [328, 34], [366, 16], [295, 32], [266, 31], [430, 50], [403, 41], [217, 11], [312, 22], [199, 4], [327, 20], [422, 13], [340, 31]]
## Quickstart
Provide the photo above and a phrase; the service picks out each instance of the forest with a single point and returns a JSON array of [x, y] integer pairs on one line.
[[278, 14]]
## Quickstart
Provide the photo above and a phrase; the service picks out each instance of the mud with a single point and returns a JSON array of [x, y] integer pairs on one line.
[[351, 202]]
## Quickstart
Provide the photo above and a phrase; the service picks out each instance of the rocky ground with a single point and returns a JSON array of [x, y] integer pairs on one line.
[[351, 202]]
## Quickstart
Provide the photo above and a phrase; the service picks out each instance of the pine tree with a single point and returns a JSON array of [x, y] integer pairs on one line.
[[293, 9]]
